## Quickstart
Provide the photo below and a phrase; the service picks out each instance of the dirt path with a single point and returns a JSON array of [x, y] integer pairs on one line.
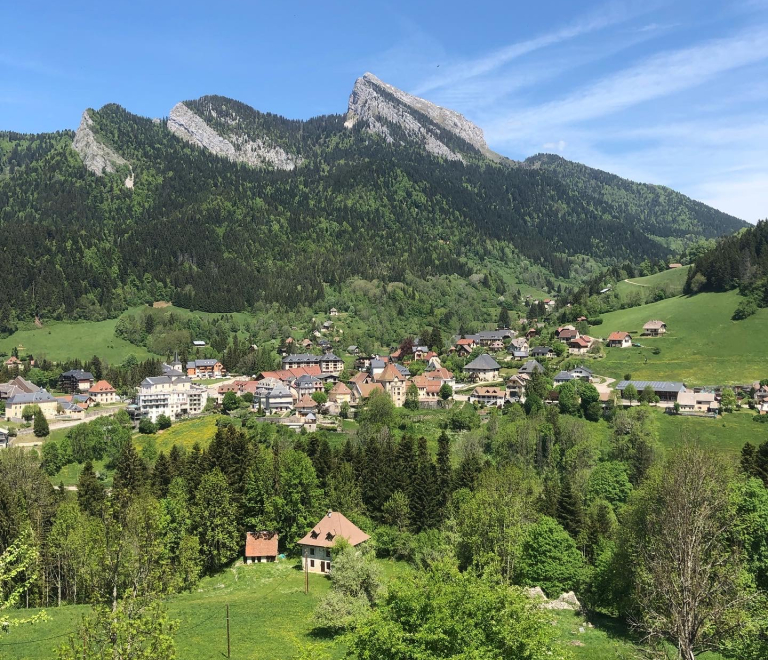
[[635, 283]]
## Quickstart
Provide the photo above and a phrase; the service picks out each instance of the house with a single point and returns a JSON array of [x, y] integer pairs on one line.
[[334, 311], [362, 390], [198, 343], [566, 333], [103, 393], [328, 363], [316, 546], [353, 350], [493, 339], [531, 333], [516, 386], [619, 340], [483, 368], [306, 385], [70, 408], [306, 344], [580, 345], [582, 373], [531, 367], [542, 352], [295, 422], [340, 393], [518, 344], [277, 399], [563, 377], [209, 368], [698, 402], [520, 355], [442, 374], [76, 380], [260, 547], [667, 392], [488, 396], [14, 363], [17, 385], [465, 346], [428, 389], [172, 396], [328, 325], [654, 328], [14, 405], [306, 405], [394, 383], [675, 266]]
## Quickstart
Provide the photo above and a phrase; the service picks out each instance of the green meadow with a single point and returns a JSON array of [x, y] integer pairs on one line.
[[672, 281], [703, 346]]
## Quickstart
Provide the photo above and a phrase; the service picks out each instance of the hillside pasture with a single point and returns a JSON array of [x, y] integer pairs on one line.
[[703, 346]]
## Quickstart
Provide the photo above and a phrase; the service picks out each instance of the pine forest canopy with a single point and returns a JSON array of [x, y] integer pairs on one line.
[[139, 212]]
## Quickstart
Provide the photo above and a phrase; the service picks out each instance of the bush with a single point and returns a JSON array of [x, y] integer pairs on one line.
[[745, 309], [163, 422], [147, 427]]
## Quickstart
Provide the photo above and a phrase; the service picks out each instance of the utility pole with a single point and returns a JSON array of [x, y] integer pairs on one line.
[[227, 629]]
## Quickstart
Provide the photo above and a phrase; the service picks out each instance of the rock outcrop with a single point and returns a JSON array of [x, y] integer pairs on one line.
[[373, 100], [96, 155], [237, 147]]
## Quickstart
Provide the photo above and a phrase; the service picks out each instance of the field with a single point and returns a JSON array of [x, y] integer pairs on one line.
[[62, 340], [271, 617], [671, 280], [184, 433], [703, 346], [726, 434]]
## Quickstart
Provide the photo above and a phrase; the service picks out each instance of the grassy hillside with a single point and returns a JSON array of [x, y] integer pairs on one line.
[[703, 346], [726, 434], [271, 617], [672, 281], [62, 340]]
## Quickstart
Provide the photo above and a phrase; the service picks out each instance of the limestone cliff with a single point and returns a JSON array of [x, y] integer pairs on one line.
[[96, 155], [378, 103], [235, 145]]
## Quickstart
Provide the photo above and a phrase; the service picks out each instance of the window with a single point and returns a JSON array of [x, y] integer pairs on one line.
[[312, 563], [327, 553], [311, 551]]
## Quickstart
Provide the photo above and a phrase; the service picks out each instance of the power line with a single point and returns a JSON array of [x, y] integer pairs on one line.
[[37, 641]]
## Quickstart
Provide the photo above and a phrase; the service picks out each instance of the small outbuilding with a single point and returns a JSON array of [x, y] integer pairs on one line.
[[260, 547]]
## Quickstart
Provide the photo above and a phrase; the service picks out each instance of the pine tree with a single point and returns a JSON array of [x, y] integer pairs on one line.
[[422, 496], [444, 472], [90, 493], [40, 427], [749, 460], [569, 511], [323, 462], [468, 472], [504, 320], [215, 519], [131, 472], [162, 475]]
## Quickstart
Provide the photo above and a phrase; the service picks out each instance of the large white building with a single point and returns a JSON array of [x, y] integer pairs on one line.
[[174, 396]]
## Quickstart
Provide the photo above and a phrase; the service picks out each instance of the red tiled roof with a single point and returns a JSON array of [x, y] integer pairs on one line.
[[102, 386], [261, 544], [334, 524], [618, 336], [359, 378], [465, 342], [306, 402], [367, 388], [340, 388], [389, 374]]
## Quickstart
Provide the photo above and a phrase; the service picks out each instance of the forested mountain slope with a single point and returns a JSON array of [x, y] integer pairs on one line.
[[222, 207], [669, 217]]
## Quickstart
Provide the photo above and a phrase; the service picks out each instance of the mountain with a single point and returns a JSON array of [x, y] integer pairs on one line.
[[221, 207], [668, 217]]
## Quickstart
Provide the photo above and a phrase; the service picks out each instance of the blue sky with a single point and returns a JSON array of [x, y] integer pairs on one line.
[[665, 92]]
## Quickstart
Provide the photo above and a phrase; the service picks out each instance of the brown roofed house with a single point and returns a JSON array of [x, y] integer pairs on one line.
[[619, 340], [654, 328], [260, 547], [102, 392], [317, 544], [340, 393]]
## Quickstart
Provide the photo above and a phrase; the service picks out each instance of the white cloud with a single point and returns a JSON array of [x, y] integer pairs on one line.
[[558, 146]]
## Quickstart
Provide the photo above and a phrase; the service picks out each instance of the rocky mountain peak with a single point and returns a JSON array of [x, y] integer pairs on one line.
[[378, 103], [97, 156]]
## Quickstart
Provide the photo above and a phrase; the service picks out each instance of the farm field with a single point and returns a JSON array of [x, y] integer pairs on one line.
[[703, 346], [271, 617], [727, 433], [64, 340], [671, 280]]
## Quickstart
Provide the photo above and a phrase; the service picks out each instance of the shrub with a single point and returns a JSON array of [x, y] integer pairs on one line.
[[147, 427], [163, 422]]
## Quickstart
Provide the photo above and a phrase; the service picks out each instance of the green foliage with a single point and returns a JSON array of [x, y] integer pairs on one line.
[[163, 422], [442, 613], [550, 559], [147, 426], [320, 398], [214, 515], [728, 400], [230, 402], [40, 427]]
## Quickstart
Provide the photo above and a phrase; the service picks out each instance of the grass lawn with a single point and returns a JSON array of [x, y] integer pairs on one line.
[[184, 433], [727, 433], [70, 474], [62, 340], [672, 281], [703, 346]]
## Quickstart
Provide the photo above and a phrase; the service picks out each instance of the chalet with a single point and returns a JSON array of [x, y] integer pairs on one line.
[[465, 346], [580, 345], [306, 405], [14, 405], [17, 385], [493, 339], [582, 373], [340, 393], [518, 344], [208, 368], [428, 389], [103, 393], [483, 368], [488, 396], [260, 547], [516, 386], [698, 402], [563, 377], [334, 311], [667, 392], [531, 367], [328, 325], [362, 363], [566, 333], [316, 546], [619, 340], [542, 352], [14, 363], [306, 344], [520, 355], [76, 380], [654, 328], [353, 350], [531, 333]]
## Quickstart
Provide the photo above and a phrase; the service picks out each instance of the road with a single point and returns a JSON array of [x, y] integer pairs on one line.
[[53, 426]]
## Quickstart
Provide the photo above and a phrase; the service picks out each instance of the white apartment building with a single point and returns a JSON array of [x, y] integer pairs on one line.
[[174, 396]]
